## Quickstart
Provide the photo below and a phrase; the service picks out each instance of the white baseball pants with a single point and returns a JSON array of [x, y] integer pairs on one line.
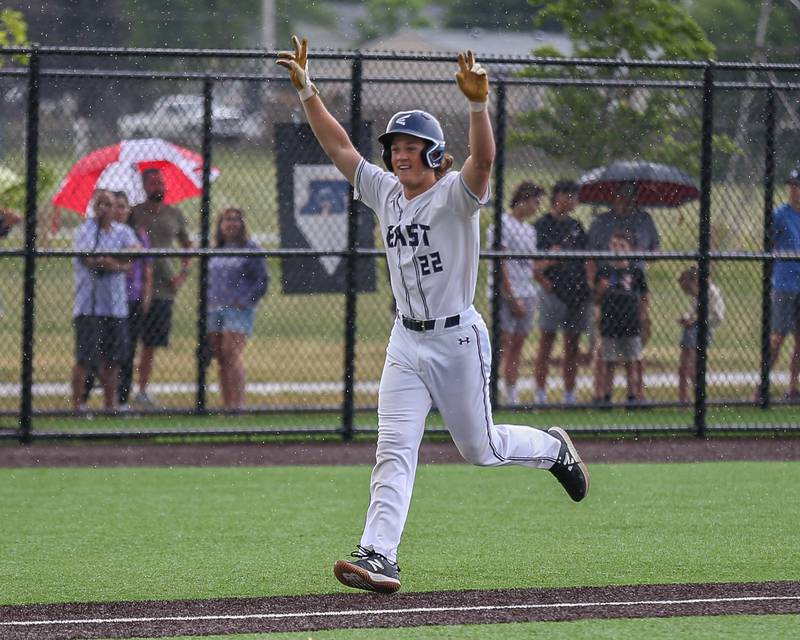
[[449, 367]]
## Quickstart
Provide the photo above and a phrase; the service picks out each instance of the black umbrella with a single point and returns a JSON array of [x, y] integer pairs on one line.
[[657, 185]]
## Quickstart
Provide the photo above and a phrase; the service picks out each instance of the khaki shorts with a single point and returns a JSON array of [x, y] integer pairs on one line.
[[621, 349]]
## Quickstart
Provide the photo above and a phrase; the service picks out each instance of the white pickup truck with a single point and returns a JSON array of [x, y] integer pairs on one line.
[[181, 117]]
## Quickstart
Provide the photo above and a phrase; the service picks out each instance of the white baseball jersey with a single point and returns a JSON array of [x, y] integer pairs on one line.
[[519, 237], [432, 241]]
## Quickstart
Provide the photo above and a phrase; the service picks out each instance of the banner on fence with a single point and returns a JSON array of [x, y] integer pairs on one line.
[[314, 200]]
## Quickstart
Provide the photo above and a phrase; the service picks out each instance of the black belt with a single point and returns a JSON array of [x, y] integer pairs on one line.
[[429, 325]]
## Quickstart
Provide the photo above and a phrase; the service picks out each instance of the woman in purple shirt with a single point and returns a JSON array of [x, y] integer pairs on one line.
[[236, 284]]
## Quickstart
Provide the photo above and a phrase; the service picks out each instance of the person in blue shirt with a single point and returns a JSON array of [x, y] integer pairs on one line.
[[236, 284], [786, 283], [100, 308]]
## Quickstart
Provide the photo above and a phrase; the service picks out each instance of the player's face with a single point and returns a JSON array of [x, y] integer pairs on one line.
[[407, 159]]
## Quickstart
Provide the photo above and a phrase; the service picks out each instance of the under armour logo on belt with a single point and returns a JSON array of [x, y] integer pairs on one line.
[[464, 340]]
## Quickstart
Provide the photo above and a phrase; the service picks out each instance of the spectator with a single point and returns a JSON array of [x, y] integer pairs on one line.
[[100, 308], [689, 282], [786, 284], [565, 295], [623, 216], [8, 218], [164, 225], [621, 293], [517, 287], [235, 286], [139, 283]]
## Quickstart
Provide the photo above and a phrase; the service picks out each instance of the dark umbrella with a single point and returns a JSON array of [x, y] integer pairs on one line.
[[658, 185]]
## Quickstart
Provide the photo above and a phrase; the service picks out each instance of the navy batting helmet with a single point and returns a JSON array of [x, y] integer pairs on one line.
[[419, 124]]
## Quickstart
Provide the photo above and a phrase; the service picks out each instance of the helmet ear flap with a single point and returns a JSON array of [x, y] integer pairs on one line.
[[434, 155], [387, 155]]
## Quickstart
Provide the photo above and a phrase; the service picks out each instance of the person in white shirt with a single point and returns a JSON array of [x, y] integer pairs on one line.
[[689, 281], [518, 291], [439, 346]]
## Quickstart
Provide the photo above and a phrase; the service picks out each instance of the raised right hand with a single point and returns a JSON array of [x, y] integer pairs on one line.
[[297, 64]]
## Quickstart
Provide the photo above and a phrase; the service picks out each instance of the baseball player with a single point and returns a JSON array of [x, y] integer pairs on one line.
[[439, 346]]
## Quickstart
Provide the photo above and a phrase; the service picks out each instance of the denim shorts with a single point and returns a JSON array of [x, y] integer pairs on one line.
[[689, 336], [232, 320], [509, 323]]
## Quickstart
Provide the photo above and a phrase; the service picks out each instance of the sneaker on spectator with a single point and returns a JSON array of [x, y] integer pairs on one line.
[[144, 401], [124, 408]]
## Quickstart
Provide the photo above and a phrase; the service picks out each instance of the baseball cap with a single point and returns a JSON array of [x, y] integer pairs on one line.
[[565, 186], [794, 177]]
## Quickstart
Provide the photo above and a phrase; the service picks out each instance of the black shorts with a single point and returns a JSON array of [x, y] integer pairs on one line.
[[157, 324], [100, 339]]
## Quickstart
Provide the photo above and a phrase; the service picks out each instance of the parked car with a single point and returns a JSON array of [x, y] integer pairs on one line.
[[181, 117]]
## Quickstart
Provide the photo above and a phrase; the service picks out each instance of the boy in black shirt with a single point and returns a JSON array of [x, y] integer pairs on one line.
[[621, 292]]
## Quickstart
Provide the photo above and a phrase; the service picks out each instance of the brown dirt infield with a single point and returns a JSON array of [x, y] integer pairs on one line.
[[357, 610], [364, 610], [683, 449]]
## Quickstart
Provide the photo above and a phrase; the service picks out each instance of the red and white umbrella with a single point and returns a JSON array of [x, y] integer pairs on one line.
[[119, 168]]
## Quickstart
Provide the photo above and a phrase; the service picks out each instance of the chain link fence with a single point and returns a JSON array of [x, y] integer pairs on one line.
[[317, 347]]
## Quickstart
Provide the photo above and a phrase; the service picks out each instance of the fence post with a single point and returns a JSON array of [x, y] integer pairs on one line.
[[29, 284], [704, 242], [205, 215], [767, 265], [497, 242], [356, 130]]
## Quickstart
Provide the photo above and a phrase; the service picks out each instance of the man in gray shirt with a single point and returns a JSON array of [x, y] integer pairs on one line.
[[636, 223]]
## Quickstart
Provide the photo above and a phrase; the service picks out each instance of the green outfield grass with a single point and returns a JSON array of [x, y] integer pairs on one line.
[[160, 533], [706, 628]]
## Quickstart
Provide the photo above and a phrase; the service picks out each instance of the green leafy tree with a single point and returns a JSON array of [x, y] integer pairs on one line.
[[13, 30], [507, 15], [731, 26], [589, 126], [385, 17]]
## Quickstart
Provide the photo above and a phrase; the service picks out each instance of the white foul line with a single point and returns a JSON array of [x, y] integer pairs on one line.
[[359, 612]]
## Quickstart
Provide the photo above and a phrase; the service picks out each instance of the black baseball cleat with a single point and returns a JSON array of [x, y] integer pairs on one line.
[[569, 469], [372, 571]]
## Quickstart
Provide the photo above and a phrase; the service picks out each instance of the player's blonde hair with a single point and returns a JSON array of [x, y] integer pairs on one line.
[[444, 167]]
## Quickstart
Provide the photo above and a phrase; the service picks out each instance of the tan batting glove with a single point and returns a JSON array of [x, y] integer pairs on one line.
[[297, 64], [473, 81]]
